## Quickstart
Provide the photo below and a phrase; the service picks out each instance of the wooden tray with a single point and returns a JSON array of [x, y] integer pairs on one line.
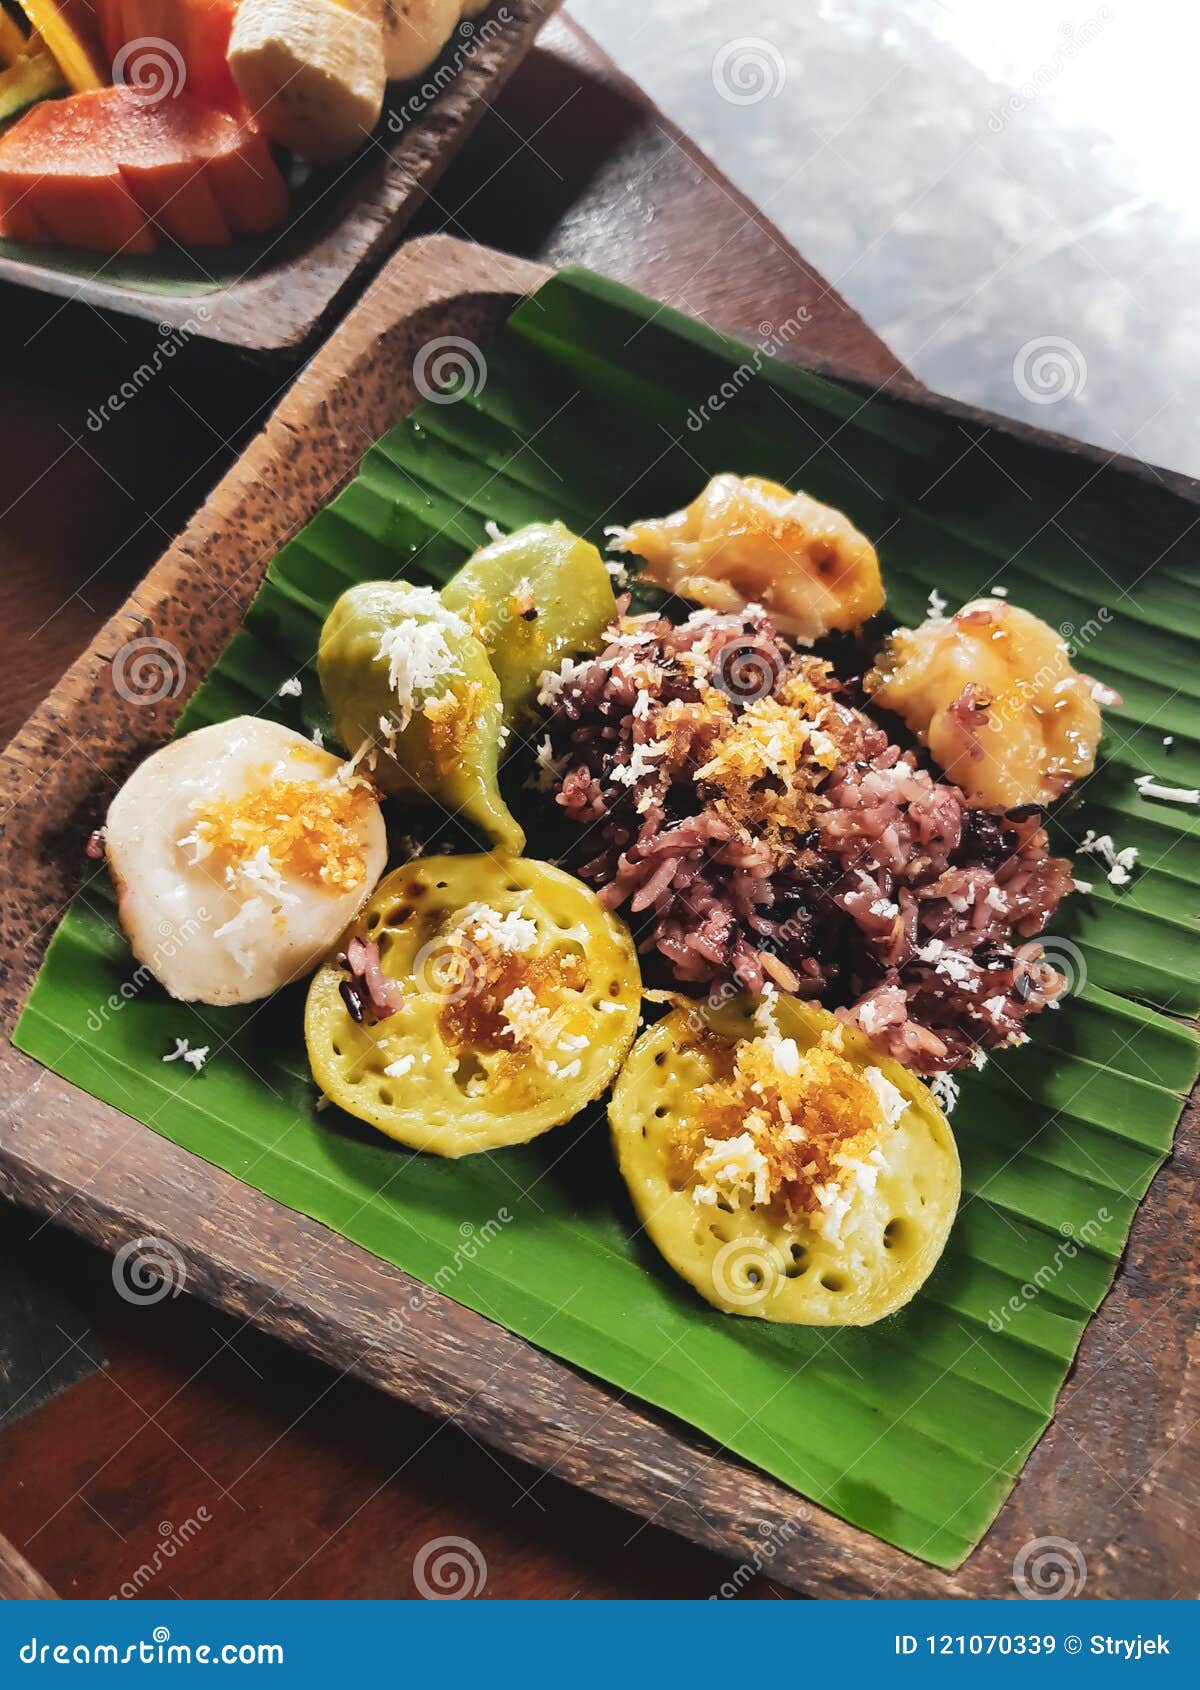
[[18, 1580], [349, 217], [93, 1169]]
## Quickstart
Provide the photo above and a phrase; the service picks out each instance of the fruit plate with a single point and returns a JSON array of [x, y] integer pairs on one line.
[[1103, 1477], [272, 293]]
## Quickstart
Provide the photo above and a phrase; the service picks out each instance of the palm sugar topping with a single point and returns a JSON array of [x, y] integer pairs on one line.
[[785, 1128]]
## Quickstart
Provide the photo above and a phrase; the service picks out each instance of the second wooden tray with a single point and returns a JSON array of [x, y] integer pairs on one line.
[[273, 294]]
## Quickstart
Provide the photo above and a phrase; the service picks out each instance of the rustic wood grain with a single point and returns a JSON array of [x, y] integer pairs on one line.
[[356, 215], [18, 1580], [113, 1180]]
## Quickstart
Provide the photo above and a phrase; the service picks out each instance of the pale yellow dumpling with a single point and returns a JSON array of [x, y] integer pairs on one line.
[[992, 692], [512, 1000], [782, 1165], [239, 852], [745, 541]]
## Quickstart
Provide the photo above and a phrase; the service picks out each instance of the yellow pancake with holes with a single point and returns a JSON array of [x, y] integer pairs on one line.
[[520, 995], [782, 1165]]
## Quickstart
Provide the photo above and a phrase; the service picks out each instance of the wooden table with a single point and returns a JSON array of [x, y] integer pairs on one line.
[[204, 1459]]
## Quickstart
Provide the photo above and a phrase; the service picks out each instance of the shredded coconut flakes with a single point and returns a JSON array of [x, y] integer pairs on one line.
[[416, 652], [945, 1088], [892, 1101], [1148, 787], [230, 934], [195, 1058], [1117, 862], [512, 932], [261, 873]]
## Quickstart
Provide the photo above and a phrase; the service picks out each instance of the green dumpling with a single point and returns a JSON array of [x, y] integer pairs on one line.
[[534, 597], [405, 675]]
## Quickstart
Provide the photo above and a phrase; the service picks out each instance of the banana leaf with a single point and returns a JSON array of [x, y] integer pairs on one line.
[[596, 405]]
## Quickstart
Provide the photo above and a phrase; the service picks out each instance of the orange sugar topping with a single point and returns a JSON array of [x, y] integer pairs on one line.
[[810, 1121], [312, 829]]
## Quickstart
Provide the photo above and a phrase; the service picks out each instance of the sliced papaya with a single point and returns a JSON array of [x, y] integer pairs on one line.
[[110, 169], [209, 23], [86, 206], [182, 44], [19, 222], [178, 200], [109, 26]]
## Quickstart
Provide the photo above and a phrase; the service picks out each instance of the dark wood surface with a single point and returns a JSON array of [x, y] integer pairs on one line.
[[88, 510], [297, 1480], [46, 1343], [347, 219]]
